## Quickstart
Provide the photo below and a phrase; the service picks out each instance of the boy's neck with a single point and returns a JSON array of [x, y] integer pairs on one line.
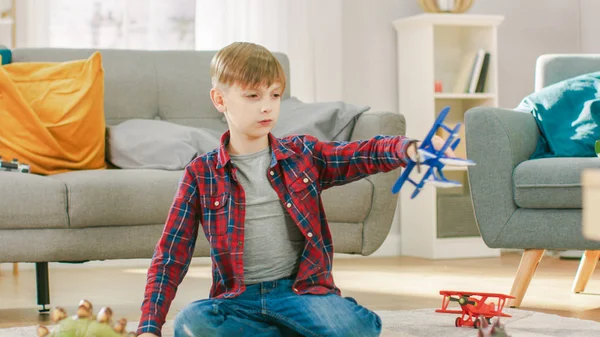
[[239, 146]]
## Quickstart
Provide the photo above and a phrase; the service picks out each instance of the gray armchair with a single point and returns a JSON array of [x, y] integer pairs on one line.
[[534, 205]]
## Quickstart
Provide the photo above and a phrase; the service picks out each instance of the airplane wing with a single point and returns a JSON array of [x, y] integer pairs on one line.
[[404, 177], [444, 308], [478, 309], [471, 293], [445, 311], [456, 161], [443, 183]]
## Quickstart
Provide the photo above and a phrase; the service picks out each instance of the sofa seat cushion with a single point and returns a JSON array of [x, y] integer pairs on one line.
[[119, 197], [134, 197], [348, 203], [31, 201], [551, 182]]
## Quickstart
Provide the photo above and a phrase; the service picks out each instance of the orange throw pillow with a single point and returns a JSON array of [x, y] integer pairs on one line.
[[52, 115]]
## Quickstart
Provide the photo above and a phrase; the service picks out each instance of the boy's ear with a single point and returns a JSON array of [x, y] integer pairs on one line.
[[216, 95]]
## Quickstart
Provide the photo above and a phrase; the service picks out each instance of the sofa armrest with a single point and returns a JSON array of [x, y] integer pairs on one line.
[[373, 123], [553, 68], [378, 222], [497, 140]]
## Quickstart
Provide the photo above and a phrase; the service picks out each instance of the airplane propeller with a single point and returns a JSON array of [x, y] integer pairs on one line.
[[463, 300]]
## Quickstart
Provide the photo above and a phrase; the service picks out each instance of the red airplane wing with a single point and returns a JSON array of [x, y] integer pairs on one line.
[[449, 311], [474, 293], [480, 308]]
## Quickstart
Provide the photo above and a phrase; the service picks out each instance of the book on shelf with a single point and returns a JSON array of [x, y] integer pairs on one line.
[[472, 72]]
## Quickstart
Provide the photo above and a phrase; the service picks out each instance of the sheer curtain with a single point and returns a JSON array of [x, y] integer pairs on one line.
[[308, 31], [124, 24]]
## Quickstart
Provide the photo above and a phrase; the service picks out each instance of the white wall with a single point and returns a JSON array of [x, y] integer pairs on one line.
[[523, 36], [590, 26], [369, 43], [369, 51]]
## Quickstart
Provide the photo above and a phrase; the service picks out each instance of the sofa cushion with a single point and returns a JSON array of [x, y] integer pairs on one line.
[[53, 114], [172, 85], [143, 197], [119, 197], [348, 203], [32, 201], [567, 114], [325, 120], [551, 182], [156, 144]]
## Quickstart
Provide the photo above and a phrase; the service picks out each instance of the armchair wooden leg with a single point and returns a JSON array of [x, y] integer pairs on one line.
[[15, 268], [585, 270], [529, 262]]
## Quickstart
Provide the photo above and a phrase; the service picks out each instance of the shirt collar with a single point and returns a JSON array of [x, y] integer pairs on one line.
[[279, 150]]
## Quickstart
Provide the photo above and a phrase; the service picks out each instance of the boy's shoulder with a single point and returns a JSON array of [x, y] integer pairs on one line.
[[297, 140], [297, 144], [205, 160]]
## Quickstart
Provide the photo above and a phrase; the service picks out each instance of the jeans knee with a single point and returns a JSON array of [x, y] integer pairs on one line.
[[368, 325], [196, 320]]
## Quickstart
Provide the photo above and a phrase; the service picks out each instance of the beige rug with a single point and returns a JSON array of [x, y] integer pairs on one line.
[[427, 323]]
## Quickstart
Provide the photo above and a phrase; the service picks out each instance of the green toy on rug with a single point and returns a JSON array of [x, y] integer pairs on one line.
[[84, 323]]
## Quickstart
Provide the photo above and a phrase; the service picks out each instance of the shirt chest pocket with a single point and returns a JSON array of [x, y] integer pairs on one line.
[[305, 184], [215, 214]]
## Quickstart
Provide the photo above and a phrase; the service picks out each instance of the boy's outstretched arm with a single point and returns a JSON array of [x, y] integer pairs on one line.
[[172, 256], [342, 162], [339, 163]]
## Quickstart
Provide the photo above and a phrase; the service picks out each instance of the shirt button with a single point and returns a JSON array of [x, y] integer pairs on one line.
[[310, 234], [288, 205], [216, 203], [272, 173], [305, 180], [241, 208], [239, 243]]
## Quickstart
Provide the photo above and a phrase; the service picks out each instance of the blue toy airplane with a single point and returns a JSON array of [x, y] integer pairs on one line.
[[428, 155]]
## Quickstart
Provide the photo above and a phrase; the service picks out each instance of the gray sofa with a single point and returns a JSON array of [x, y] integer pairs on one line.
[[534, 205], [120, 213]]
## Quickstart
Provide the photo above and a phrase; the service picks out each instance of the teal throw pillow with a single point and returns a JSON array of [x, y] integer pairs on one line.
[[567, 114]]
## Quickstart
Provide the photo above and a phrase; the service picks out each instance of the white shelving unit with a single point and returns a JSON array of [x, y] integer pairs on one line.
[[433, 47]]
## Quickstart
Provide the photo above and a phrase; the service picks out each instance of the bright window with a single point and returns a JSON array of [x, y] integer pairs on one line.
[[122, 24]]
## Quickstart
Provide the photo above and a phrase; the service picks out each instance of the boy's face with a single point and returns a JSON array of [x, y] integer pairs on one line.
[[251, 112]]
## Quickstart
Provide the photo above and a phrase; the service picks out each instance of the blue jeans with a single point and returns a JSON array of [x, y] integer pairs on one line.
[[272, 309]]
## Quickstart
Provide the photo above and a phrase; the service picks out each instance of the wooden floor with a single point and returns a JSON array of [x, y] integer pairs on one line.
[[377, 283]]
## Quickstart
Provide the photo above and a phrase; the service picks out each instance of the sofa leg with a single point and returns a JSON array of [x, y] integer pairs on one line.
[[586, 269], [529, 262], [43, 285]]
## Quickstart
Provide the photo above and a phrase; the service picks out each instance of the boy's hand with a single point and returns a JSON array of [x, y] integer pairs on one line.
[[147, 334], [437, 142]]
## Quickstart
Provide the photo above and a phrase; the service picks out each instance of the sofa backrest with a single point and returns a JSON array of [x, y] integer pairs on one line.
[[168, 85], [553, 68]]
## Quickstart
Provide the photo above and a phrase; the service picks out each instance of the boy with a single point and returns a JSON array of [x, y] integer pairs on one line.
[[257, 199]]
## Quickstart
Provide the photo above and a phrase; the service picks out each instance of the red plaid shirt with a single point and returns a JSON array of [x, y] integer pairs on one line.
[[208, 194]]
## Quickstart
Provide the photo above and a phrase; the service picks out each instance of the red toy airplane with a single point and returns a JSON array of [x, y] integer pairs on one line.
[[473, 305]]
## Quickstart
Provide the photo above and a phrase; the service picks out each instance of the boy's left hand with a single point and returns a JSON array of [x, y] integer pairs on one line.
[[437, 142]]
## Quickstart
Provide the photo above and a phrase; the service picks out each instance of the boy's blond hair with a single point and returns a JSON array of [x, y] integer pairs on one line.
[[246, 64]]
